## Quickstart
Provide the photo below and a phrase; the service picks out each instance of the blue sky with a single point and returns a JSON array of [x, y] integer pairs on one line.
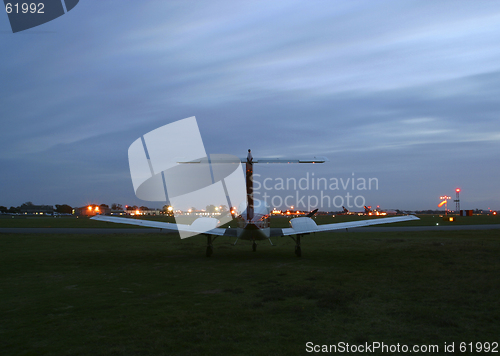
[[405, 92]]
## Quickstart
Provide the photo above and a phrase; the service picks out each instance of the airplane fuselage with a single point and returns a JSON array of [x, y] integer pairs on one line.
[[256, 228]]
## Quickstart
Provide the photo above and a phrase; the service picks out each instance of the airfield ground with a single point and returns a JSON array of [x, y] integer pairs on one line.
[[154, 294], [20, 221]]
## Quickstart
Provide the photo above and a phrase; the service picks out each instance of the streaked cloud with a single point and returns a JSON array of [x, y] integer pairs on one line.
[[369, 83]]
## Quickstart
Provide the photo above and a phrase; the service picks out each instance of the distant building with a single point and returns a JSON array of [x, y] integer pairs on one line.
[[32, 209], [145, 212], [91, 210], [152, 212], [118, 212]]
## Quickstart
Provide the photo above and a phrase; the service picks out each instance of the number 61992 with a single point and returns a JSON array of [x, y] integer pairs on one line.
[[24, 8]]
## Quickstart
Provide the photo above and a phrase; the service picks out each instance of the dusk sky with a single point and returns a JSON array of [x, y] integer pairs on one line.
[[407, 92]]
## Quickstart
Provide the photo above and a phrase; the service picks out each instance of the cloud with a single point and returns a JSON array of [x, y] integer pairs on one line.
[[377, 85]]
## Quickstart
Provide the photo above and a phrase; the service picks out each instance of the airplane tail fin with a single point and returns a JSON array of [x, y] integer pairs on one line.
[[311, 214]]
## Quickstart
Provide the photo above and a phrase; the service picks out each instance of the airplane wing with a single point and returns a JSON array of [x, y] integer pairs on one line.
[[319, 159], [287, 160], [304, 225], [199, 226]]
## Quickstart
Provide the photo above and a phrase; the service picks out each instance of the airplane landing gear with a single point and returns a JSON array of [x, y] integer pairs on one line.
[[210, 250], [210, 247], [298, 251]]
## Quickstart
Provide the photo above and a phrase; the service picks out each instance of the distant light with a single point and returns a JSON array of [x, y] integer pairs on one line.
[[90, 208], [96, 208], [170, 208], [457, 190], [137, 212]]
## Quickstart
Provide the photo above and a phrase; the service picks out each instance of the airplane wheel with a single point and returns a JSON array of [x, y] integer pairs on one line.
[[298, 251], [210, 250], [254, 247]]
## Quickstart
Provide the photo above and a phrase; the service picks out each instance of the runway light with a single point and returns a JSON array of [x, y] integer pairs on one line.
[[96, 208]]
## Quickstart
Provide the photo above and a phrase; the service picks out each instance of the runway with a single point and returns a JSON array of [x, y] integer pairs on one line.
[[101, 231], [63, 230], [424, 228]]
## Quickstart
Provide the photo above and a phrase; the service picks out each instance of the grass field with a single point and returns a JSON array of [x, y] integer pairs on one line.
[[144, 294]]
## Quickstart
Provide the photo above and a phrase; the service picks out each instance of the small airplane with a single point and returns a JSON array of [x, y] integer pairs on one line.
[[253, 217], [345, 211]]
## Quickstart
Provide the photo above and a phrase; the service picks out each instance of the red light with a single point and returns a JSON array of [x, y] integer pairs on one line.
[[457, 190]]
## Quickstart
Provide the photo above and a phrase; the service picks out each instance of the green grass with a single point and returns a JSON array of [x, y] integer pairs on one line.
[[53, 222], [143, 294]]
